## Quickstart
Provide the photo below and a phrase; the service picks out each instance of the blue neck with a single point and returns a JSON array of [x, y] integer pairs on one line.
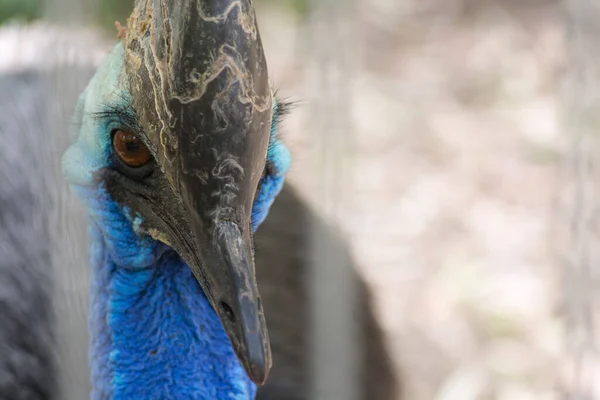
[[155, 335]]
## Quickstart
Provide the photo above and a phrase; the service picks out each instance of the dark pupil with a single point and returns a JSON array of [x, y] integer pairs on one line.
[[133, 144], [269, 168]]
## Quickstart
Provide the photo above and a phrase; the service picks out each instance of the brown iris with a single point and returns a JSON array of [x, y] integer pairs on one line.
[[130, 149]]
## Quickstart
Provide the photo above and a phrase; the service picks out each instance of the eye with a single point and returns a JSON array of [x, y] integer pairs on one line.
[[130, 149]]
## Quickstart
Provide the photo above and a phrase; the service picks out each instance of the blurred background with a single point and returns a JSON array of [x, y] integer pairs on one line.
[[465, 173]]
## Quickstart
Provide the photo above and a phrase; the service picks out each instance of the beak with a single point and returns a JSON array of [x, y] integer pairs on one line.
[[199, 83], [226, 271]]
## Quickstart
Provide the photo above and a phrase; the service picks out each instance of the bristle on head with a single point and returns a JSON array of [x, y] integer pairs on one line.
[[121, 30], [283, 108]]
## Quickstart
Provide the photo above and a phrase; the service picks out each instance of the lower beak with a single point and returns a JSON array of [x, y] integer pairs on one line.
[[226, 273]]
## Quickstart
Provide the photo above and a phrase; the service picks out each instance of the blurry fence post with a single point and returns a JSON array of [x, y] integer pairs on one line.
[[579, 212], [69, 260], [334, 334]]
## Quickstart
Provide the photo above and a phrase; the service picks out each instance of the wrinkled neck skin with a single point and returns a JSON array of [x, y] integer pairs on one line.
[[154, 335]]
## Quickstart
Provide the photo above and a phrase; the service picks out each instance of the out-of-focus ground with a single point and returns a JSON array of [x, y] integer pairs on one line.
[[456, 116], [458, 145]]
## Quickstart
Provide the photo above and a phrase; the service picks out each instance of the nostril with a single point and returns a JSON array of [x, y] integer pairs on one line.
[[227, 310]]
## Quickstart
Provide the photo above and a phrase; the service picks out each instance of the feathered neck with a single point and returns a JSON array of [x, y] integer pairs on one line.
[[154, 333]]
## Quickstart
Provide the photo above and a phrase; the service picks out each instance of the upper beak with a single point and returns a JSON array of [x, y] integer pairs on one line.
[[199, 82]]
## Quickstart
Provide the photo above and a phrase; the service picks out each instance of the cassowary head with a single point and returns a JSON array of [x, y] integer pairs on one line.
[[176, 151]]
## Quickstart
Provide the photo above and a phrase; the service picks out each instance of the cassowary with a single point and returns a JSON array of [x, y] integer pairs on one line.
[[177, 161]]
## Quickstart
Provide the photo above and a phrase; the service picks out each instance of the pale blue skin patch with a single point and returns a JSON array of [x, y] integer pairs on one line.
[[91, 150], [271, 184]]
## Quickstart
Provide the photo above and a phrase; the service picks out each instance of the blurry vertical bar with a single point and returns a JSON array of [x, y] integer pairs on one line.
[[61, 91], [335, 345], [579, 212]]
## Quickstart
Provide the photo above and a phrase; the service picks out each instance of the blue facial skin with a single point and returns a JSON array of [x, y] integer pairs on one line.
[[154, 333]]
